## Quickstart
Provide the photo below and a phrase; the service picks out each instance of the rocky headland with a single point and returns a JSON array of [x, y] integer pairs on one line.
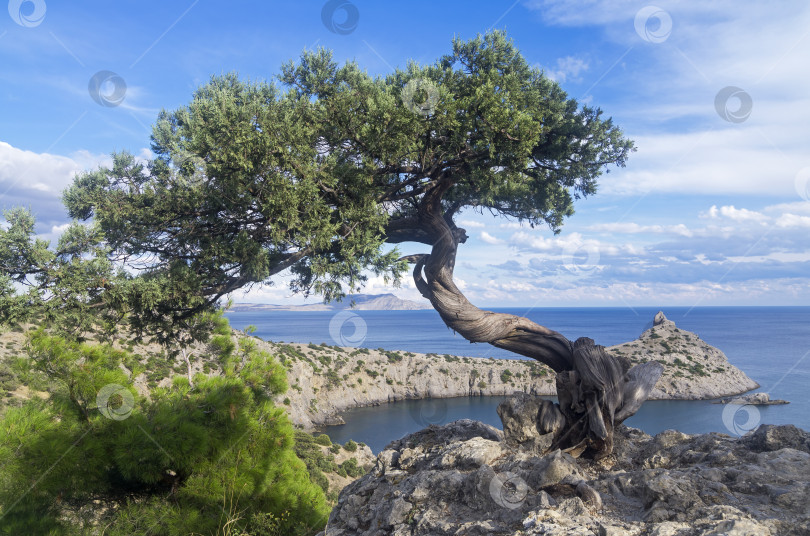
[[327, 380], [469, 478]]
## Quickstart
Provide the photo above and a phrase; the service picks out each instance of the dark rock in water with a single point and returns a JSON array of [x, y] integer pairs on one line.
[[753, 399], [467, 478]]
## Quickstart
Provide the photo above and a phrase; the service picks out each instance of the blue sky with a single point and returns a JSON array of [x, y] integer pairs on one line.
[[713, 209]]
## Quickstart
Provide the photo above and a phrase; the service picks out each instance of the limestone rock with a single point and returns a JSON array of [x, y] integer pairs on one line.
[[693, 369], [754, 399], [328, 380], [465, 478], [523, 420], [769, 437]]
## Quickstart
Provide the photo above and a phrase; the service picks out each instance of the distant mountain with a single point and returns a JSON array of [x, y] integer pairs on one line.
[[362, 302]]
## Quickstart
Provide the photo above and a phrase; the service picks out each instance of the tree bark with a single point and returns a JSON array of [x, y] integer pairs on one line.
[[596, 390]]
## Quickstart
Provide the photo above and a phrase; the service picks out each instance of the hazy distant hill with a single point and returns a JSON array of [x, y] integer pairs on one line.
[[362, 302]]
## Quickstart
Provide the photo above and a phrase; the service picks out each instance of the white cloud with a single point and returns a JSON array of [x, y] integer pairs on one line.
[[44, 173], [634, 228], [471, 223], [666, 102], [793, 220], [513, 225], [727, 162], [797, 207], [737, 214], [566, 245], [567, 68], [489, 239], [37, 172]]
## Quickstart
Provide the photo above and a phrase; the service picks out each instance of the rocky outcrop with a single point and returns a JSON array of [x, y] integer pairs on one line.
[[754, 399], [327, 380], [466, 478], [693, 369]]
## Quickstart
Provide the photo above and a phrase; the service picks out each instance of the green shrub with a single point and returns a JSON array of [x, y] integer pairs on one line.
[[352, 469], [324, 440], [350, 446], [170, 464]]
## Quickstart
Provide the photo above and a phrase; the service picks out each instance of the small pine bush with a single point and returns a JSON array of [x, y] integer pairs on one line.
[[189, 460], [324, 440]]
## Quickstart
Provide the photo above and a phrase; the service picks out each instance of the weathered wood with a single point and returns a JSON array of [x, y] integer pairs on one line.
[[596, 390]]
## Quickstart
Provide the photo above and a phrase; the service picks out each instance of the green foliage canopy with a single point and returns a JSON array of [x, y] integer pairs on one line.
[[316, 173]]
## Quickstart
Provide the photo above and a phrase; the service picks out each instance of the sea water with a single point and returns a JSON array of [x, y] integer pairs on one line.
[[770, 344]]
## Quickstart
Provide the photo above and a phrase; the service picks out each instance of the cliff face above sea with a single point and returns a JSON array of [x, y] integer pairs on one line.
[[326, 380]]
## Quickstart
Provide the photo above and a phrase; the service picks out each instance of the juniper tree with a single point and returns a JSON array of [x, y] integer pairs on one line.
[[319, 173]]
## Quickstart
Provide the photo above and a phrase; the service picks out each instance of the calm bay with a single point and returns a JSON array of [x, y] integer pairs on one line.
[[770, 344]]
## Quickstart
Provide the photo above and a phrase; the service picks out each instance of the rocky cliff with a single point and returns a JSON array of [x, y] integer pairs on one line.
[[465, 478], [693, 369], [326, 380]]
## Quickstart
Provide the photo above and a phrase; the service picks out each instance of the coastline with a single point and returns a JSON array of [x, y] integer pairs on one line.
[[328, 380]]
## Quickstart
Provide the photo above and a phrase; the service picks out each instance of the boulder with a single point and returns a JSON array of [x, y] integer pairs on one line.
[[467, 478]]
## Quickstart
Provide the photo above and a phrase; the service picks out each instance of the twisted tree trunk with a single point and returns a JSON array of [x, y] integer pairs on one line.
[[596, 390]]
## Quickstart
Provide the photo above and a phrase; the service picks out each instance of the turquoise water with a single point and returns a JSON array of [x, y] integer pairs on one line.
[[771, 344]]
